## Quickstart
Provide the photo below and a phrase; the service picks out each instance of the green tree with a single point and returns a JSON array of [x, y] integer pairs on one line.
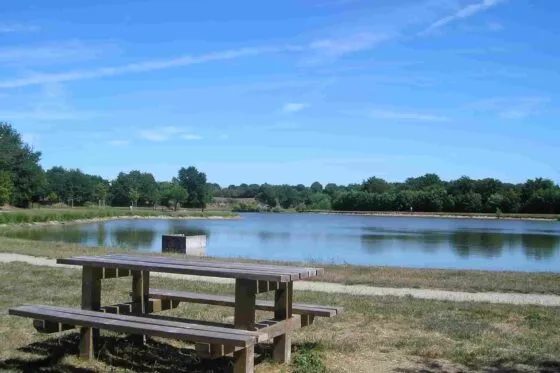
[[6, 188], [375, 185], [101, 192], [21, 163], [316, 187], [134, 195], [194, 182]]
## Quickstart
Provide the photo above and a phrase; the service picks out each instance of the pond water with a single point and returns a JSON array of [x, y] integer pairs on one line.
[[363, 240]]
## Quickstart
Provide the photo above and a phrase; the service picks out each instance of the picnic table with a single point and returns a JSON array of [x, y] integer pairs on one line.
[[211, 340]]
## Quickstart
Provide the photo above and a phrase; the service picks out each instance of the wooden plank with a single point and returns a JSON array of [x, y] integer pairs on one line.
[[180, 269], [109, 273], [303, 271], [282, 344], [228, 301], [138, 325], [274, 328], [245, 299], [244, 360], [91, 300], [43, 326]]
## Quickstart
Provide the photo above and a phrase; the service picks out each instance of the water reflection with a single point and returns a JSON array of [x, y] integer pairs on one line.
[[505, 245]]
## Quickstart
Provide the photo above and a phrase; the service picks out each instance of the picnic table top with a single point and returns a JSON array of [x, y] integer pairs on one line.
[[198, 267]]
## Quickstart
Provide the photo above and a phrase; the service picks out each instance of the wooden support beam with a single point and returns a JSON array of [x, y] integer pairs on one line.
[[244, 360], [140, 295], [115, 273], [91, 300], [282, 345], [245, 303]]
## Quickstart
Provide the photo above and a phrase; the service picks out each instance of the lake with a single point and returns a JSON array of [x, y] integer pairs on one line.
[[364, 240]]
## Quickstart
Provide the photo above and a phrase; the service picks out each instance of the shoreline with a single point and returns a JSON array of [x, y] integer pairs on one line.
[[123, 217], [435, 215]]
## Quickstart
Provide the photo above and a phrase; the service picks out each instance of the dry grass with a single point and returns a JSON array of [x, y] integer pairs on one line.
[[457, 280], [383, 334]]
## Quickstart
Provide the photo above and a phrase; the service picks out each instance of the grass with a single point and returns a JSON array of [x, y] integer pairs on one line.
[[45, 215], [457, 280], [382, 334]]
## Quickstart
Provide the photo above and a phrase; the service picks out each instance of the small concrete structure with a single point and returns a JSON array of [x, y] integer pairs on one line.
[[179, 243]]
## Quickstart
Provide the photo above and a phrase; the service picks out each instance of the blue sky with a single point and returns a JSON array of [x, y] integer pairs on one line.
[[286, 91]]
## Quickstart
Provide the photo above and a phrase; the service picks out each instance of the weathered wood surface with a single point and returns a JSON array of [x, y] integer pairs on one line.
[[229, 301], [142, 325], [247, 271], [282, 344], [91, 300]]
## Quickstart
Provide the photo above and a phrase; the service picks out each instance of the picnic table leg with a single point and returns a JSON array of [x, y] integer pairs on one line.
[[282, 345], [91, 300], [140, 296], [244, 318]]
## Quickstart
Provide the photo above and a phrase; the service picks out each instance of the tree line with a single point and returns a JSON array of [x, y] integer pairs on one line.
[[23, 181]]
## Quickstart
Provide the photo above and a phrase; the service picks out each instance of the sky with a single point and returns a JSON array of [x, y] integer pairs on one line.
[[289, 91]]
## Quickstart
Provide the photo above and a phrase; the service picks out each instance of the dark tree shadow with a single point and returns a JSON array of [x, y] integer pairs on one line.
[[118, 352], [496, 367], [125, 352]]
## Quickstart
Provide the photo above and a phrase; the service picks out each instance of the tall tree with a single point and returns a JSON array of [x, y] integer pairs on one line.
[[194, 182], [6, 187], [21, 163]]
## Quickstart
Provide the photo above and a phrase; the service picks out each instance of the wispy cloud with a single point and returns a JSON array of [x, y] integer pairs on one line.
[[118, 142], [167, 133], [400, 115], [327, 48], [17, 27], [510, 107], [466, 12], [65, 52], [334, 48], [190, 136], [294, 107]]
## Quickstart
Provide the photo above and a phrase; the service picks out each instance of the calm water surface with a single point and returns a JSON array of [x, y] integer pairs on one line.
[[391, 241]]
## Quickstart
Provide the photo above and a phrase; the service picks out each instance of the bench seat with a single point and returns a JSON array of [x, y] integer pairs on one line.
[[241, 340], [310, 310]]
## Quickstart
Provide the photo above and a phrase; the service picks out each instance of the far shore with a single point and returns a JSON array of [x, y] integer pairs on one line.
[[480, 216], [124, 217]]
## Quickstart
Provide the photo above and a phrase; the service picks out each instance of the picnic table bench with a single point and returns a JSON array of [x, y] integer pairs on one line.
[[211, 339]]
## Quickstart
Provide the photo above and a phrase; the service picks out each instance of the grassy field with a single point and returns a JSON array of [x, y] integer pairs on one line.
[[382, 334], [458, 280], [46, 214]]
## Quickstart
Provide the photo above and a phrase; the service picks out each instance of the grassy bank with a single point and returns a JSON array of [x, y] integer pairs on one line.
[[44, 215], [450, 215], [383, 334], [457, 280]]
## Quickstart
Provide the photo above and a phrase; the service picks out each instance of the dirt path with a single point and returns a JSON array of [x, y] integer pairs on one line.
[[455, 296]]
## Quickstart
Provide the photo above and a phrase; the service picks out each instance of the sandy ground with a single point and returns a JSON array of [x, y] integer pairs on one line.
[[454, 296]]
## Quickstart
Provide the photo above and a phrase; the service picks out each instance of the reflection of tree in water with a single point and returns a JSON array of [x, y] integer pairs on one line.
[[268, 236], [540, 246], [488, 244], [101, 234], [429, 241], [70, 235], [134, 238], [178, 228]]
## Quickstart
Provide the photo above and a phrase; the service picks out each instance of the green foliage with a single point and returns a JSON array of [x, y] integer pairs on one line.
[[308, 358], [6, 187], [21, 163], [246, 207], [194, 182]]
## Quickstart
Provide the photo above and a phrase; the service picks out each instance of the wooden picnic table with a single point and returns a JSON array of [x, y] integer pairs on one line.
[[250, 280]]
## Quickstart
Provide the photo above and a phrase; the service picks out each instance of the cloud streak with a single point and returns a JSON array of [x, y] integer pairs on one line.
[[294, 107], [466, 12], [331, 48], [398, 115], [17, 27], [167, 133]]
